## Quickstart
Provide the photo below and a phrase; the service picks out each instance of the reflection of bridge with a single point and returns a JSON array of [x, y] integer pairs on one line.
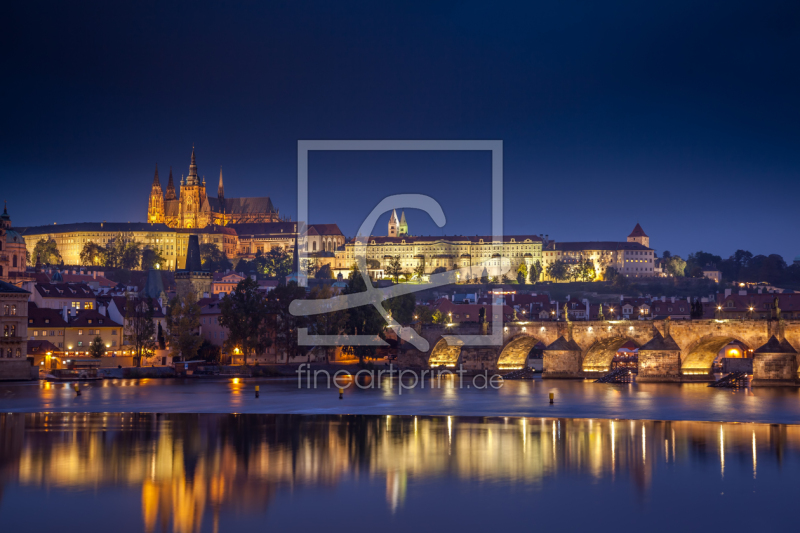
[[668, 351]]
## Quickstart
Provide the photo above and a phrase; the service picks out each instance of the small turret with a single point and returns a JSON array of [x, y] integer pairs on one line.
[[155, 208]]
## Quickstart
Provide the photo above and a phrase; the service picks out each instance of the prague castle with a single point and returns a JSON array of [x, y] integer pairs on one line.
[[193, 208]]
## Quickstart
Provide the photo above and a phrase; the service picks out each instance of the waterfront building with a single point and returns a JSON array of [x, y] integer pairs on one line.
[[13, 321], [72, 331], [12, 249], [191, 207]]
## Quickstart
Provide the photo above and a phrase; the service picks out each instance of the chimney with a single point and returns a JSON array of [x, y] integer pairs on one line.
[[727, 292], [102, 309], [664, 299], [759, 290], [205, 295], [253, 276], [743, 292], [672, 299], [94, 274], [72, 312], [64, 314]]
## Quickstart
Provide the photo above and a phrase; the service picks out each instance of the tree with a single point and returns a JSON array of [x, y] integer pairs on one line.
[[439, 270], [675, 266], [667, 254], [92, 254], [278, 263], [362, 320], [481, 315], [131, 256], [285, 325], [46, 251], [324, 272], [209, 352], [419, 271], [585, 270], [395, 268], [244, 313], [485, 276], [330, 323], [401, 307], [522, 273], [558, 270], [373, 264], [152, 258], [535, 272], [698, 260], [96, 347], [437, 317], [183, 321], [140, 328], [423, 314], [214, 259]]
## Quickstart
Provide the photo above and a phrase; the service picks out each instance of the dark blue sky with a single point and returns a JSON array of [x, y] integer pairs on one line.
[[683, 116]]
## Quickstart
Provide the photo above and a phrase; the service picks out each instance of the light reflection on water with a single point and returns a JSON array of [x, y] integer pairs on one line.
[[187, 472]]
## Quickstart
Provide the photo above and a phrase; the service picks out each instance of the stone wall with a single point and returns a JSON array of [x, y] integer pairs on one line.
[[774, 369], [561, 363], [659, 363], [17, 369]]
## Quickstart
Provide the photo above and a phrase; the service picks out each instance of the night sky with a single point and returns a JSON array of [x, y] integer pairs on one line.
[[683, 116]]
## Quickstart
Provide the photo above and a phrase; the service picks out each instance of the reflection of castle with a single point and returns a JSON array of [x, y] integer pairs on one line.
[[193, 208]]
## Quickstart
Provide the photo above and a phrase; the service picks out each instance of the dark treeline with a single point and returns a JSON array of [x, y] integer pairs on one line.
[[744, 266]]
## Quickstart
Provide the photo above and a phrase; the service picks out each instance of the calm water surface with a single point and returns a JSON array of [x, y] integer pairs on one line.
[[649, 401], [223, 472]]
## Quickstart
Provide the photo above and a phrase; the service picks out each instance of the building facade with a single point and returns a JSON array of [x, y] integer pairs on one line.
[[479, 255], [12, 249], [13, 321], [632, 258], [191, 207]]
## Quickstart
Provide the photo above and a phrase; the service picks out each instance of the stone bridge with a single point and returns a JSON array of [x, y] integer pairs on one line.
[[669, 350]]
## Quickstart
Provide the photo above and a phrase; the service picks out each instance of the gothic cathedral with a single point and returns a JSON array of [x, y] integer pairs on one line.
[[193, 208]]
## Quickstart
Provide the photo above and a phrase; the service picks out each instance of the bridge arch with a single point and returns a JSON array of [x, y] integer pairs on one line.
[[444, 354], [515, 353], [600, 354], [700, 357]]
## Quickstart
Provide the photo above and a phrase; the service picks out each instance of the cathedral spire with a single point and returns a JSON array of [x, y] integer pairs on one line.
[[155, 179], [171, 187], [191, 179], [220, 189]]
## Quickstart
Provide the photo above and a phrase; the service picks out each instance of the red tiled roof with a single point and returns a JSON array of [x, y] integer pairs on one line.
[[638, 232], [97, 320], [41, 317], [324, 229], [38, 347], [64, 290]]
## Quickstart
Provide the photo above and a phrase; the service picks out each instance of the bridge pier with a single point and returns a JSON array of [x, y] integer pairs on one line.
[[659, 360], [562, 359], [775, 364]]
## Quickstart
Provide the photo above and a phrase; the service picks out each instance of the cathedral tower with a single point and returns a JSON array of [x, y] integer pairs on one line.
[[402, 229], [638, 235], [155, 209], [393, 224], [190, 197]]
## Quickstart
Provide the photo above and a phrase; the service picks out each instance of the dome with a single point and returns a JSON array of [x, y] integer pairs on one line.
[[14, 237], [57, 277]]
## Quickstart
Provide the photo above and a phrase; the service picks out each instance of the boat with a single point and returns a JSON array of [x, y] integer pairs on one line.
[[73, 374]]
